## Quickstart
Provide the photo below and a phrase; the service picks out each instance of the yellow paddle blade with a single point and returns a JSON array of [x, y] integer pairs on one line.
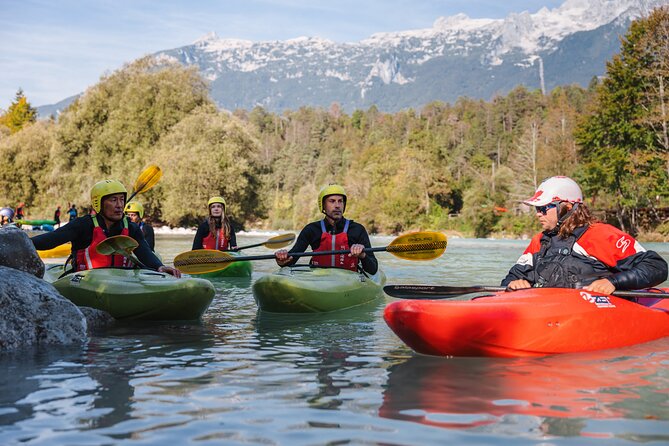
[[279, 241], [202, 261], [426, 245], [118, 244], [147, 179]]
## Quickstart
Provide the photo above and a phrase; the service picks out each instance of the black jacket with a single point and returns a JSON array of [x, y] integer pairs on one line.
[[80, 232], [310, 236]]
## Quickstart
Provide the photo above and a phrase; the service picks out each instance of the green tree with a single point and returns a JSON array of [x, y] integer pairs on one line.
[[622, 157], [19, 113]]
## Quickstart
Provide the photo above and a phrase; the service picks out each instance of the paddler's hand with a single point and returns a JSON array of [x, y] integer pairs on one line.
[[282, 257], [169, 270], [601, 286], [518, 284], [357, 251]]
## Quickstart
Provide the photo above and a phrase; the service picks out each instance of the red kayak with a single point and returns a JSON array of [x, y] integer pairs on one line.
[[532, 322]]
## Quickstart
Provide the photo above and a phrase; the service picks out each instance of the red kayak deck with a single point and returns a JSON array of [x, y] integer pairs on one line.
[[532, 322]]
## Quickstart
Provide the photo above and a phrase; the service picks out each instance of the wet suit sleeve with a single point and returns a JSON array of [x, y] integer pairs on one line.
[[641, 270], [75, 232], [150, 237], [358, 234], [633, 267], [233, 239], [304, 240], [202, 232]]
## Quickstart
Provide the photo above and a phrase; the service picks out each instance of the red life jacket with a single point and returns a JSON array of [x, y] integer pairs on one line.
[[218, 241], [89, 258], [335, 242]]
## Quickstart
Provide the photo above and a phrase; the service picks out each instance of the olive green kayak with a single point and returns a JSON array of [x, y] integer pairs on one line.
[[134, 293], [301, 289]]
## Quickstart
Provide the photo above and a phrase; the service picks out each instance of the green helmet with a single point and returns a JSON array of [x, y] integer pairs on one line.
[[103, 188], [134, 206], [330, 189]]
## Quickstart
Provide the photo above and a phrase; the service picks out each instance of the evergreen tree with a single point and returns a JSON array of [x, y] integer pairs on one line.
[[623, 157], [19, 114]]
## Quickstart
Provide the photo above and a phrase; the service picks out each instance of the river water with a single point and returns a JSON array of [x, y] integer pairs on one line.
[[243, 377]]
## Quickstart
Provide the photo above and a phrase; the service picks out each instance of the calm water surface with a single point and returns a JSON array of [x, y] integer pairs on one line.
[[243, 377]]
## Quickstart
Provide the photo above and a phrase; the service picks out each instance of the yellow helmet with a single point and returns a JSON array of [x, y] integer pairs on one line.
[[216, 199], [134, 206], [103, 188], [330, 189]]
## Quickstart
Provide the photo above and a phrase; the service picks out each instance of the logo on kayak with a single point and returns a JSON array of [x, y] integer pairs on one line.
[[600, 301]]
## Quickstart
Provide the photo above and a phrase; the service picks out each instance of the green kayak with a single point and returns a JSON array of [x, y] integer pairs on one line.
[[302, 289], [35, 222], [242, 268], [134, 293]]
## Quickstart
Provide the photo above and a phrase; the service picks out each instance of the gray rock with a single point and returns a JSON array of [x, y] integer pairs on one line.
[[33, 312], [18, 252], [96, 318]]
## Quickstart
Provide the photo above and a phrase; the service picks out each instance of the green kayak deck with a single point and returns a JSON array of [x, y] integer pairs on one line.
[[134, 294], [302, 289]]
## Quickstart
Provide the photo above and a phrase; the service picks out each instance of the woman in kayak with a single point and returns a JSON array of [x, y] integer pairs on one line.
[[575, 250], [85, 233], [135, 212], [333, 233], [215, 232]]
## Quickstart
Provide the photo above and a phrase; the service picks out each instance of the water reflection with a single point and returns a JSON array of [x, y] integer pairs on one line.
[[330, 348], [559, 392], [100, 388]]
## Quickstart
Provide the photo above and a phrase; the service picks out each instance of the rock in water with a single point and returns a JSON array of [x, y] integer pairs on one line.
[[18, 252], [33, 312]]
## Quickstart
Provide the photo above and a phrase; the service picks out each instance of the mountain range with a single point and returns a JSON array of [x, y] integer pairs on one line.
[[457, 56]]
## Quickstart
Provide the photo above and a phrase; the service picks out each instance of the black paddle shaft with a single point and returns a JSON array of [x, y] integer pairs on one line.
[[447, 292]]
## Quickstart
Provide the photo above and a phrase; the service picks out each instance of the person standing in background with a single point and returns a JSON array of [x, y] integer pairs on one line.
[[72, 212], [20, 211], [56, 217]]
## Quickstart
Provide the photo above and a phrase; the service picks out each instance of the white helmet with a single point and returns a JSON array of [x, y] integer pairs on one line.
[[7, 212], [556, 189]]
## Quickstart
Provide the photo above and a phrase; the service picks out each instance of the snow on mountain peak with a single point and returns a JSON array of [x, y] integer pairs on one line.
[[209, 37]]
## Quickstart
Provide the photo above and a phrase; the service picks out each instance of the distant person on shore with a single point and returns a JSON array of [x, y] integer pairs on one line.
[[87, 232], [20, 211], [56, 217], [6, 216], [333, 233], [575, 250], [72, 212], [215, 232], [135, 212]]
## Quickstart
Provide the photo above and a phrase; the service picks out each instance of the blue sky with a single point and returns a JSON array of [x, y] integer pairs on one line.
[[53, 49]]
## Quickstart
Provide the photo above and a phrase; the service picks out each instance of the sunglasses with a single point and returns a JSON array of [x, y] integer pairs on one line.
[[544, 209]]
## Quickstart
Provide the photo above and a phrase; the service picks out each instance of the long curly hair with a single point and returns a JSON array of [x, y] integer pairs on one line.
[[581, 216], [216, 223]]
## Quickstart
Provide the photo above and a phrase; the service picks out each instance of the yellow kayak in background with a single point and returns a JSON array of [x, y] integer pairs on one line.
[[59, 251]]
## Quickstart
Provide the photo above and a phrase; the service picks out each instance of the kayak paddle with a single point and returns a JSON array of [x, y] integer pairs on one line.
[[414, 246], [121, 245], [449, 292], [146, 180], [277, 242]]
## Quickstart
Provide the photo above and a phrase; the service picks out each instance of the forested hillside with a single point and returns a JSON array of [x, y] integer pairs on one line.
[[459, 166]]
